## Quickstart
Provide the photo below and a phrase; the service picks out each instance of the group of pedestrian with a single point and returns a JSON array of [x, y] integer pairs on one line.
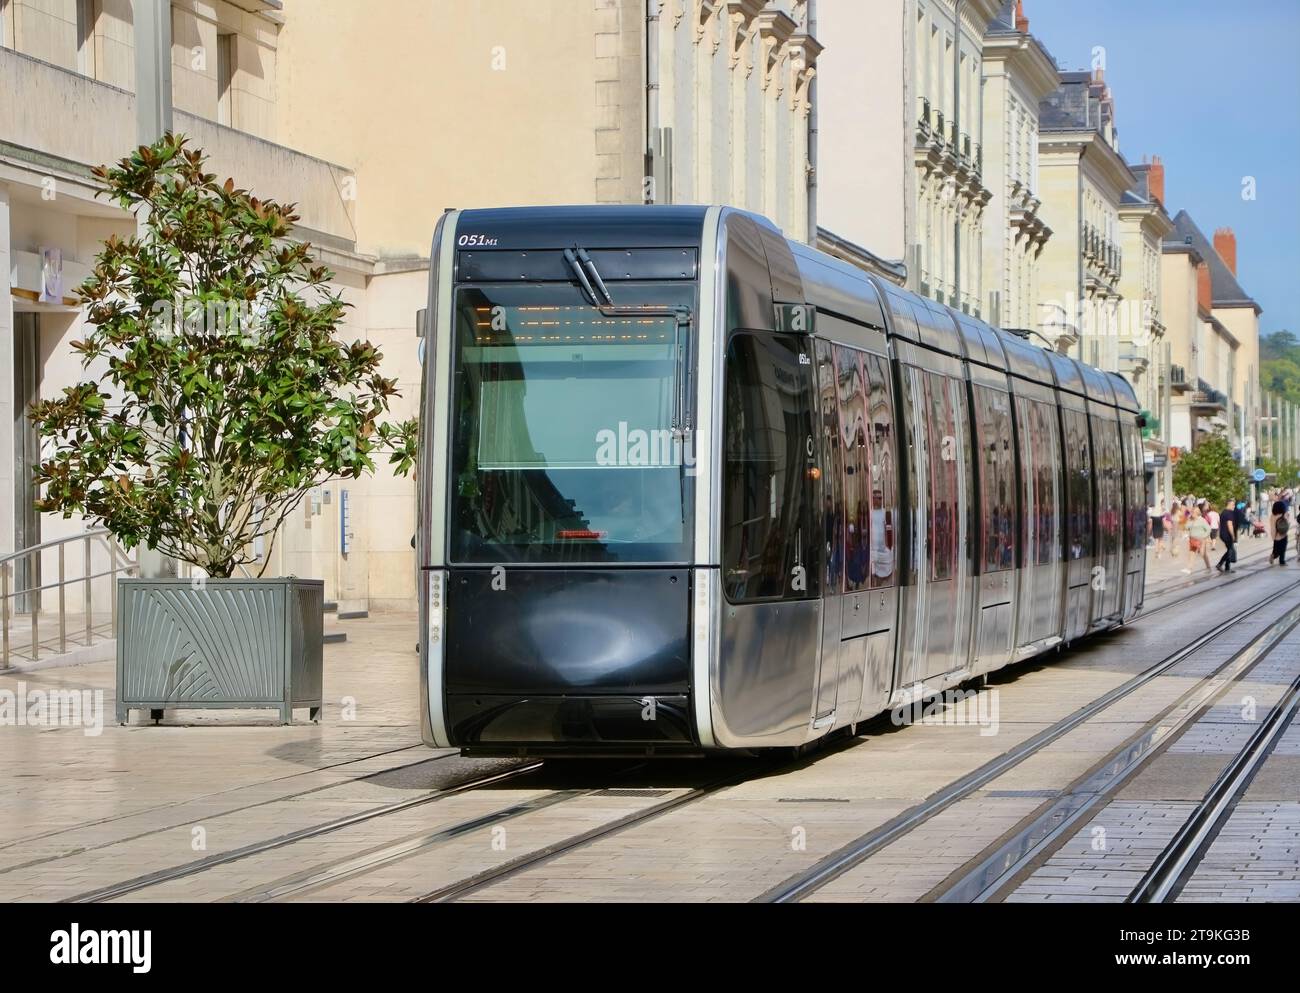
[[1202, 526]]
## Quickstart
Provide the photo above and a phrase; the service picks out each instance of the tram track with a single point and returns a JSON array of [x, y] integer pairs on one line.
[[847, 857], [130, 886], [993, 876]]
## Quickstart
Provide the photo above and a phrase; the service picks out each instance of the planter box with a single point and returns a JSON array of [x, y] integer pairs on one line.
[[186, 644]]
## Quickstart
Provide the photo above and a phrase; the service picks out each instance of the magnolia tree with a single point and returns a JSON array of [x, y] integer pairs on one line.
[[226, 393]]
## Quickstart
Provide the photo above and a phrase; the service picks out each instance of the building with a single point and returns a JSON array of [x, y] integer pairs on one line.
[[1084, 178], [1018, 73], [1143, 225], [901, 108], [374, 123], [1226, 358]]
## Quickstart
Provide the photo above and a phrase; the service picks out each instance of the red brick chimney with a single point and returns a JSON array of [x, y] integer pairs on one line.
[[1022, 22], [1156, 179], [1225, 243], [1204, 289]]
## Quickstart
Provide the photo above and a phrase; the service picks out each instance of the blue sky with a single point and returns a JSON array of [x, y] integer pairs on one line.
[[1213, 88]]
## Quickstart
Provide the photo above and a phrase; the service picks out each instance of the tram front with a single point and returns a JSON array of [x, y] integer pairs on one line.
[[556, 480]]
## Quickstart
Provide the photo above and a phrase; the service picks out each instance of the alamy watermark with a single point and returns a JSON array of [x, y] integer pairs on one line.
[[53, 709], [626, 446], [955, 707]]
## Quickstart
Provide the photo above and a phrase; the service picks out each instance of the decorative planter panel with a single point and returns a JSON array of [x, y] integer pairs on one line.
[[186, 644]]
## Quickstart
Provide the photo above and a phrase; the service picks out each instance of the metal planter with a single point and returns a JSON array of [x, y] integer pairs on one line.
[[207, 643]]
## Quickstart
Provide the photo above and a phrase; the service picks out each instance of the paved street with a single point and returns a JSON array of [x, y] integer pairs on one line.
[[225, 805]]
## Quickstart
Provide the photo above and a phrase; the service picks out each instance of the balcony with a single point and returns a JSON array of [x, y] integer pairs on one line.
[[923, 122], [1207, 400], [1178, 379], [96, 125]]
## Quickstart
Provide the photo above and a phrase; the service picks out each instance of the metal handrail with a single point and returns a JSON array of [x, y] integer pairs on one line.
[[87, 577]]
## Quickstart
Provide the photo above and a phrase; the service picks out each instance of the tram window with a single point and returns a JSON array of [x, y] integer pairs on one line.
[[884, 482], [1038, 458], [857, 468], [944, 451], [562, 442], [1079, 487], [769, 496], [832, 477], [997, 480]]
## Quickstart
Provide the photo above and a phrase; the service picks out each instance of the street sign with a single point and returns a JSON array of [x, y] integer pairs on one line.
[[1258, 475]]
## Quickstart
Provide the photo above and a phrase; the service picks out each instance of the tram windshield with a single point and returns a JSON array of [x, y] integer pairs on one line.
[[567, 440]]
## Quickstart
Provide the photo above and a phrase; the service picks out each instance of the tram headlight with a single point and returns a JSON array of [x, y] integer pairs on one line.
[[435, 609]]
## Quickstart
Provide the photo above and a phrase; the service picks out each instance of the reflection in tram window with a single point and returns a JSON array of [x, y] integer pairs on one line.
[[857, 468], [769, 510], [832, 465], [884, 484], [997, 478], [944, 452], [1079, 488]]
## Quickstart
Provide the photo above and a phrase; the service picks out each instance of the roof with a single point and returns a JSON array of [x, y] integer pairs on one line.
[[1225, 291]]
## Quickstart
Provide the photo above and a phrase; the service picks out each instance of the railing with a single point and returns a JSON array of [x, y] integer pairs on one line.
[[119, 564]]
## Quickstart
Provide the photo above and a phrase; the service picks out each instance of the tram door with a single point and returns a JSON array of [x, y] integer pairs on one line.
[[937, 619]]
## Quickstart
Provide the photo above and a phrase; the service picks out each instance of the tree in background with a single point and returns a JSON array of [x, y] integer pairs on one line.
[[225, 393], [1279, 365], [1209, 472]]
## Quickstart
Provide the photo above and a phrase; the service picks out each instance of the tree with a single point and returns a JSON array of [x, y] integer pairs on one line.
[[1208, 471], [226, 395]]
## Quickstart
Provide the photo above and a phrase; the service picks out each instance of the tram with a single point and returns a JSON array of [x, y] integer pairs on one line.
[[686, 485]]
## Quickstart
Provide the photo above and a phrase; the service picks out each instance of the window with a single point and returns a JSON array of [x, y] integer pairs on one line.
[[562, 441], [943, 450], [857, 468], [770, 534], [832, 466], [884, 480], [225, 79], [997, 479], [1078, 465], [1038, 459]]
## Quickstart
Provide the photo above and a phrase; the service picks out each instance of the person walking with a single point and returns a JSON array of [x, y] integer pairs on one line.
[[1212, 518], [1156, 515], [1228, 532], [1198, 538], [1279, 528]]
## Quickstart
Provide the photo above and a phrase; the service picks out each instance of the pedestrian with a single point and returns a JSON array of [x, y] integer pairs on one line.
[[1228, 532], [1198, 538], [1279, 527], [1156, 515], [1212, 518]]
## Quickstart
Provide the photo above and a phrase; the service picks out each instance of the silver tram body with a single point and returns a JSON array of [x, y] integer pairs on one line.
[[686, 485]]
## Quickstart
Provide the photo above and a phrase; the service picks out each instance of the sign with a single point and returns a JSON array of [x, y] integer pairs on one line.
[[1158, 461], [1258, 475]]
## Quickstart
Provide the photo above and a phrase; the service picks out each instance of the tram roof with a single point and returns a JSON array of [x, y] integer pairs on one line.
[[592, 226]]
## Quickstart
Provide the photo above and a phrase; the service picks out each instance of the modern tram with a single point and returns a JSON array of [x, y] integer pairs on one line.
[[686, 485]]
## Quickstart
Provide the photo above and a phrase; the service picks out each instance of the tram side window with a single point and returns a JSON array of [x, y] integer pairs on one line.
[[832, 477], [1038, 455], [857, 468], [884, 480], [1079, 490], [1047, 456], [769, 516], [944, 451], [997, 478]]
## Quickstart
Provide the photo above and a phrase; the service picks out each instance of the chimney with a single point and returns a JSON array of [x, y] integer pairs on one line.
[[1204, 290], [1022, 22], [1156, 179], [1225, 243]]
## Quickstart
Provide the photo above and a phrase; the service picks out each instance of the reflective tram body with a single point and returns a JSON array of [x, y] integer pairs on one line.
[[686, 485]]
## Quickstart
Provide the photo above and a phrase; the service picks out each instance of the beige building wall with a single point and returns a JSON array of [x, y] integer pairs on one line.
[[867, 119], [1018, 74]]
